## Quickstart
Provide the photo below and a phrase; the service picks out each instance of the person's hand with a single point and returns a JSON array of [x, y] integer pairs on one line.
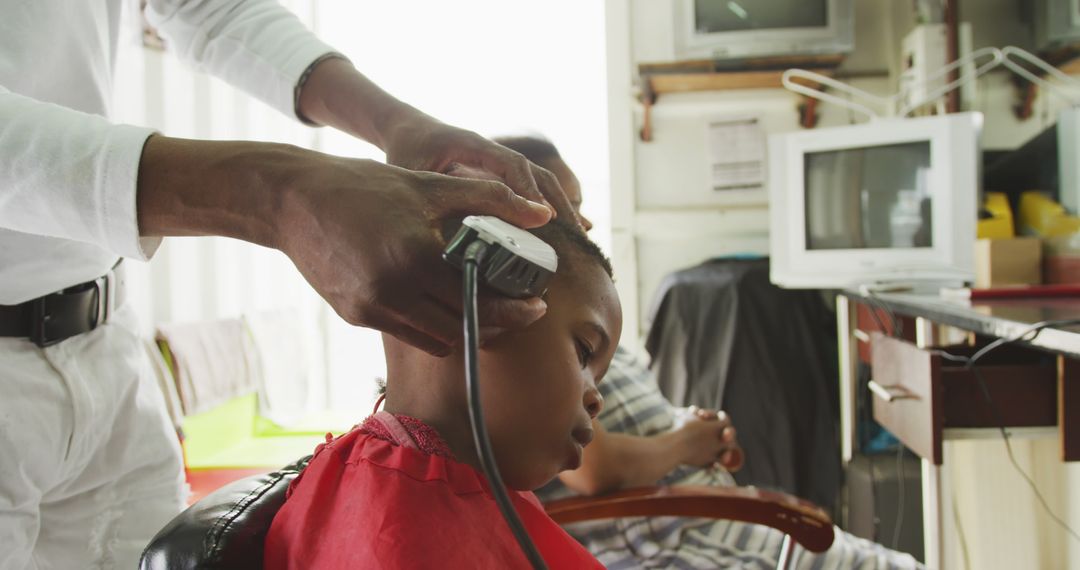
[[367, 237], [422, 143], [709, 438], [338, 95]]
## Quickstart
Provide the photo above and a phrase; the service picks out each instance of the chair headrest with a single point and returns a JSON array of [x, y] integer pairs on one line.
[[225, 529]]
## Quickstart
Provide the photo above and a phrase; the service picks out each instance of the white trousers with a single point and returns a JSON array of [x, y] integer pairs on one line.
[[90, 467]]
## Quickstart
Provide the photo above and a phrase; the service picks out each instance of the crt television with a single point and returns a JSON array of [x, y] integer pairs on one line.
[[1068, 135], [740, 29], [883, 202], [1057, 23]]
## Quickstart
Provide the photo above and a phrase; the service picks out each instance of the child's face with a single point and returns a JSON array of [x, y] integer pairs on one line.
[[539, 384]]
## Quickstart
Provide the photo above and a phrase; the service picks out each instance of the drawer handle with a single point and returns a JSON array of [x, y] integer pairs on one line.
[[891, 393]]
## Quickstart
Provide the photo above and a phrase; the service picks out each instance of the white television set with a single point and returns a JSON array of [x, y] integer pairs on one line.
[[891, 201], [1057, 23], [1068, 138], [740, 29]]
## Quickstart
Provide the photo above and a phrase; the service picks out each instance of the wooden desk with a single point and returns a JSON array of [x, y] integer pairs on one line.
[[930, 321]]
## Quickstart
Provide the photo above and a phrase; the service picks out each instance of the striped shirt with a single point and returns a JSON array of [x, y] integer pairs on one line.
[[634, 405]]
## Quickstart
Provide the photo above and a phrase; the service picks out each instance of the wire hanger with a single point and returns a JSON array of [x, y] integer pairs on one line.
[[890, 106], [1061, 88]]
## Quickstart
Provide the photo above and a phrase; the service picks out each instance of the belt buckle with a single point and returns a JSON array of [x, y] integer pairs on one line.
[[106, 292], [104, 287], [39, 318]]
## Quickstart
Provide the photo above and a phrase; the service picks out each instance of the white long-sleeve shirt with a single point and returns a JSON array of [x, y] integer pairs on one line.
[[68, 175]]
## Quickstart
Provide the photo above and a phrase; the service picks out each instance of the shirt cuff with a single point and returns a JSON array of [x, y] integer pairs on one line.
[[119, 183], [300, 83]]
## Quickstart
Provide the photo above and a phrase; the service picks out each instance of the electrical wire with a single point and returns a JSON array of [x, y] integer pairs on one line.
[[473, 255], [896, 325], [900, 499], [965, 555], [1034, 331], [1027, 335]]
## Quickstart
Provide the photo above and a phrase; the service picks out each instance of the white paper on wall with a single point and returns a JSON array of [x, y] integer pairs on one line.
[[736, 153]]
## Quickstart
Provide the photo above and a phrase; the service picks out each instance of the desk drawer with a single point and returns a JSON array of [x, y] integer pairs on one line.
[[867, 324], [919, 393]]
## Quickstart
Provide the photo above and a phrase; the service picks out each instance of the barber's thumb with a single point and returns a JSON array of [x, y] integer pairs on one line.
[[492, 198], [504, 313]]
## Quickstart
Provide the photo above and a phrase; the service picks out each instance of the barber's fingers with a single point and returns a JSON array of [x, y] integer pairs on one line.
[[545, 181], [506, 313], [495, 313], [513, 168], [423, 323], [549, 186], [458, 197], [442, 285]]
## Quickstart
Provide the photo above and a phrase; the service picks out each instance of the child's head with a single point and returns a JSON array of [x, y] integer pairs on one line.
[[538, 385]]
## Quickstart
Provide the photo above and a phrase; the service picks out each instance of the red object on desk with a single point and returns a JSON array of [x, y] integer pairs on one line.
[[1022, 292]]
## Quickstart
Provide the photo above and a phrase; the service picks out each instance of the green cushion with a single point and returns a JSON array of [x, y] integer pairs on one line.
[[233, 436], [317, 423]]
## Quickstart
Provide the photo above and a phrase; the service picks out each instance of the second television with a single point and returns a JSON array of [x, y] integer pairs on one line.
[[887, 201]]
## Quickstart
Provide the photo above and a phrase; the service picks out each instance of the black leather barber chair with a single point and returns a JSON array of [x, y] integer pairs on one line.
[[224, 530]]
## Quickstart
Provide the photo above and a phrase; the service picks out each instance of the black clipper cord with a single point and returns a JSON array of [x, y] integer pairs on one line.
[[473, 255]]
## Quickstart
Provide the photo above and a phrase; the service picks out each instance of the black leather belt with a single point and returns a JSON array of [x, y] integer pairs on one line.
[[58, 316]]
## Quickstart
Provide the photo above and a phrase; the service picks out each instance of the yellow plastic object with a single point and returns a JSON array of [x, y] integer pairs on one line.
[[1000, 225], [222, 438], [1043, 217]]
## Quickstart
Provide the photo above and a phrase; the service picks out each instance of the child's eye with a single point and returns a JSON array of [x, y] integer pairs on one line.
[[584, 353]]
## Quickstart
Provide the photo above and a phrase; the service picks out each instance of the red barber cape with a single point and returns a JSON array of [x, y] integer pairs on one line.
[[367, 503]]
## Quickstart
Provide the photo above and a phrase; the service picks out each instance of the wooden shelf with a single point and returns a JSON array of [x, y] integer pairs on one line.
[[685, 82], [709, 75], [654, 85]]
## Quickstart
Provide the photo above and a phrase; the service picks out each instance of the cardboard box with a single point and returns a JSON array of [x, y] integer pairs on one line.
[[1008, 262]]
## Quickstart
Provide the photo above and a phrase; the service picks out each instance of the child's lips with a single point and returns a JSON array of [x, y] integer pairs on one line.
[[579, 438], [574, 460]]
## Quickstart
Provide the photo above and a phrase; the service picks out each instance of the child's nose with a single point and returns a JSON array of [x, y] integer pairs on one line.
[[593, 402]]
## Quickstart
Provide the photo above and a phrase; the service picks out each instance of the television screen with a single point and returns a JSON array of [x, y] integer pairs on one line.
[[869, 198], [713, 16]]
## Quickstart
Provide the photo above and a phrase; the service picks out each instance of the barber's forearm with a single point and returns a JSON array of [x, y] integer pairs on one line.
[[226, 188], [337, 95]]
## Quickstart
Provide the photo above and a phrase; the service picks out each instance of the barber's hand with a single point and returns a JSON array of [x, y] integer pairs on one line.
[[367, 237], [422, 143], [338, 95], [709, 438]]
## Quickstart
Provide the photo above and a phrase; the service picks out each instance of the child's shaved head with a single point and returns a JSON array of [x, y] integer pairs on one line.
[[567, 240]]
